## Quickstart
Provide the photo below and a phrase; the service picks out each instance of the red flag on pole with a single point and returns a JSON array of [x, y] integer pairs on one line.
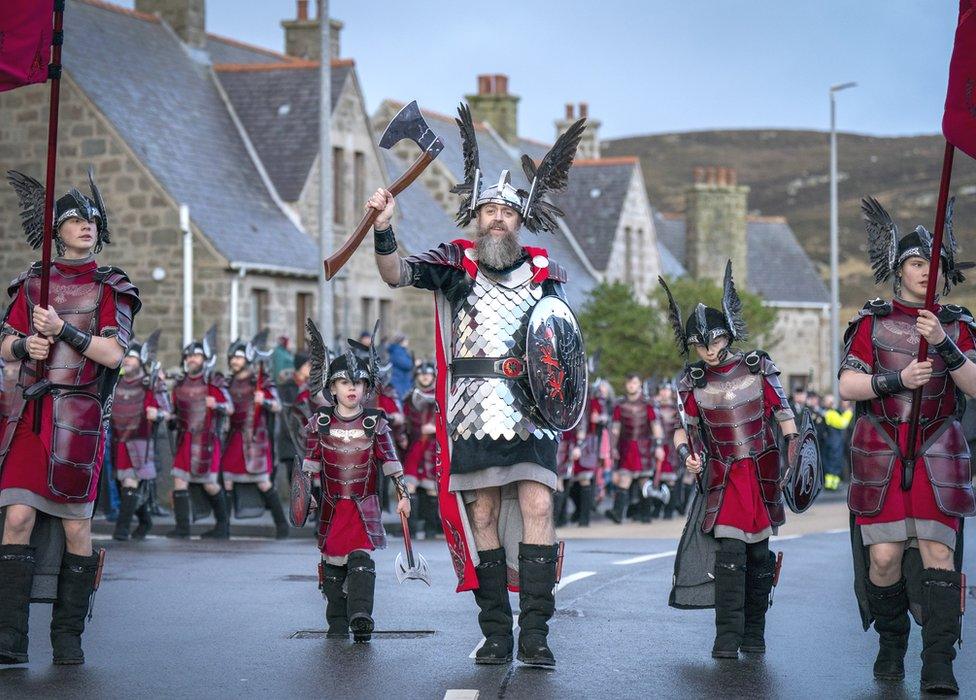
[[25, 42], [959, 121]]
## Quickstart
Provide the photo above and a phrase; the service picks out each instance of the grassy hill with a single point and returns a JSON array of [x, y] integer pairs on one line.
[[788, 171]]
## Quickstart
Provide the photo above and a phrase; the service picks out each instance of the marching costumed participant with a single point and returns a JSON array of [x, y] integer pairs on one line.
[[511, 376], [595, 451], [639, 448], [200, 400], [420, 463], [350, 449], [730, 398], [53, 440], [141, 402], [908, 500], [247, 461]]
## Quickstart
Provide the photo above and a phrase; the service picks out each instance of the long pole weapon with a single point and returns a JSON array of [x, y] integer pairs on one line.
[[683, 418], [54, 72], [908, 463]]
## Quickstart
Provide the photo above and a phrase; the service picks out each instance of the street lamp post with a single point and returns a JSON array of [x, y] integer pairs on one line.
[[834, 283]]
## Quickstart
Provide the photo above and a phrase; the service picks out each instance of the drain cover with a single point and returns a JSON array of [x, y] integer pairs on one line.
[[299, 577], [382, 634]]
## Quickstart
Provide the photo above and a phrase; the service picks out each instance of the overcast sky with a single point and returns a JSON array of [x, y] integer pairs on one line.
[[646, 66]]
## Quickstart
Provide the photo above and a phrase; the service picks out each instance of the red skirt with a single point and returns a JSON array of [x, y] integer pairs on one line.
[[232, 461], [918, 502], [346, 532], [631, 457], [742, 505]]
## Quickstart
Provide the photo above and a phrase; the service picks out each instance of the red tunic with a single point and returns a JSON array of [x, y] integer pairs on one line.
[[182, 460], [420, 410], [919, 501], [26, 464], [140, 439], [742, 506], [636, 442], [248, 432]]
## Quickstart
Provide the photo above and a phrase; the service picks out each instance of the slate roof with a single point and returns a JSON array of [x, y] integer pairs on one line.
[[593, 203], [166, 106], [225, 50], [278, 104], [493, 158], [793, 279]]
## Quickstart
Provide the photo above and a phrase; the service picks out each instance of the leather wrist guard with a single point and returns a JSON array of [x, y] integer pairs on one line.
[[19, 349], [885, 383], [658, 442], [384, 242], [400, 486], [684, 452], [950, 354], [74, 337]]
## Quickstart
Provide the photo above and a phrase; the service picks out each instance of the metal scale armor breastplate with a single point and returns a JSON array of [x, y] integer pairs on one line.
[[128, 412], [895, 342], [634, 423], [731, 406], [491, 321]]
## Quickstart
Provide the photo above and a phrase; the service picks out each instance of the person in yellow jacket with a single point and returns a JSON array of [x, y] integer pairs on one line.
[[837, 421]]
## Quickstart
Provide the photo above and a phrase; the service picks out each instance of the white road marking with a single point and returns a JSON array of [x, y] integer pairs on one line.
[[837, 531], [461, 694], [579, 575], [645, 557]]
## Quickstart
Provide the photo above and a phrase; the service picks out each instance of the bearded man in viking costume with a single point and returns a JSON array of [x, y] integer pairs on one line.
[[506, 391], [53, 441], [907, 513], [731, 398]]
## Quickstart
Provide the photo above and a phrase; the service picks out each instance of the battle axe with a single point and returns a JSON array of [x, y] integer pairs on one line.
[[409, 123]]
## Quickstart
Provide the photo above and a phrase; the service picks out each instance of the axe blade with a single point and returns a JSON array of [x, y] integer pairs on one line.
[[420, 571], [409, 123]]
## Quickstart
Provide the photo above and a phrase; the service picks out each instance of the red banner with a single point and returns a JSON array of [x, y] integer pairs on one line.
[[959, 122], [25, 42]]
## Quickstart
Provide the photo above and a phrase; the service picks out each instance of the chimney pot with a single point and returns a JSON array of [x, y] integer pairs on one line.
[[569, 111], [723, 177], [710, 175], [302, 14], [733, 177], [501, 84], [484, 84], [584, 110], [698, 175]]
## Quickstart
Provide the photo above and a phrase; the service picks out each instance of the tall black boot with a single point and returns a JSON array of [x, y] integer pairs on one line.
[[495, 609], [585, 505], [127, 507], [537, 602], [221, 528], [144, 514], [941, 628], [360, 587], [759, 584], [431, 514], [336, 613], [273, 503], [730, 594], [181, 511], [576, 497], [650, 509], [76, 584], [616, 513], [16, 577], [889, 608], [559, 508]]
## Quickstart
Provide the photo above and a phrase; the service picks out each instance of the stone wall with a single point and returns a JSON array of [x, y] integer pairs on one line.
[[642, 266], [803, 347], [716, 225], [144, 220]]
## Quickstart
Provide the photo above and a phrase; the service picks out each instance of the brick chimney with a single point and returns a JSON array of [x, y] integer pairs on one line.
[[185, 17], [302, 37], [494, 105], [715, 225], [589, 147]]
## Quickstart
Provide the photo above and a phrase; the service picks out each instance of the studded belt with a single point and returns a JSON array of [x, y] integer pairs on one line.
[[505, 367]]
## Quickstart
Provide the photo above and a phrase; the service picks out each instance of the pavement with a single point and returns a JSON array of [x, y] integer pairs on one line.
[[244, 619]]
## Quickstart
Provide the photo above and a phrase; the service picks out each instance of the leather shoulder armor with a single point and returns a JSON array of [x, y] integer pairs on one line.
[[759, 362], [953, 312], [33, 271], [557, 273], [445, 254]]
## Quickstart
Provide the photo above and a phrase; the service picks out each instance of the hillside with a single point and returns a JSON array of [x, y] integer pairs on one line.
[[788, 171]]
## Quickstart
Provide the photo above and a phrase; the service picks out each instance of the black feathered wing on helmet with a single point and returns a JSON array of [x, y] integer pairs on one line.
[[319, 358], [472, 173], [732, 306], [552, 175], [882, 238], [104, 235], [30, 198], [674, 318]]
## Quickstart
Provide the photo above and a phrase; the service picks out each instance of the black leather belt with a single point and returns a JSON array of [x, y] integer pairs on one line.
[[506, 367]]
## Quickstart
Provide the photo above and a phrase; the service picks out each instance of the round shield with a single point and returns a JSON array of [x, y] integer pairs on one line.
[[301, 498], [556, 363], [804, 478]]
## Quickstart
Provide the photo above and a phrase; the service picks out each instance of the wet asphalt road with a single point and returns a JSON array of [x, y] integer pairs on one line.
[[215, 620]]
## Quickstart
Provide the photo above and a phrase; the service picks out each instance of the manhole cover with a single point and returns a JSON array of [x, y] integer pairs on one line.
[[382, 634], [299, 577]]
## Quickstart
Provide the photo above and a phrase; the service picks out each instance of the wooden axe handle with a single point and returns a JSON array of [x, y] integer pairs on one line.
[[341, 256]]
